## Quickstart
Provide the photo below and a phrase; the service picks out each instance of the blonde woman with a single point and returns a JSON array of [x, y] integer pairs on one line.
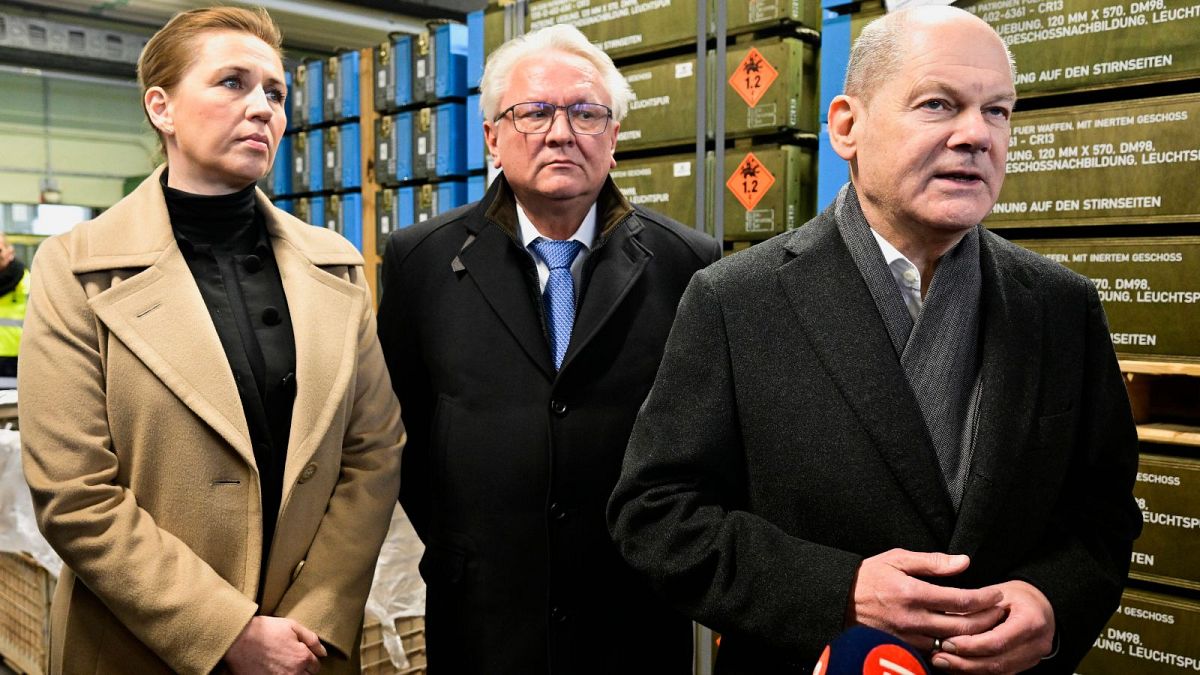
[[210, 435]]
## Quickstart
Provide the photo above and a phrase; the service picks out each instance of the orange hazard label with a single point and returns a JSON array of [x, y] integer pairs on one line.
[[750, 181], [753, 77]]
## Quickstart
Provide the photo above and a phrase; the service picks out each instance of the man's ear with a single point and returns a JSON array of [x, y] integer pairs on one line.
[[612, 151], [158, 107], [846, 115], [490, 136]]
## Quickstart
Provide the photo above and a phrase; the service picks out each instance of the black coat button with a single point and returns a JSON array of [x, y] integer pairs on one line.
[[558, 614], [288, 383], [557, 512], [271, 317], [252, 263], [558, 408]]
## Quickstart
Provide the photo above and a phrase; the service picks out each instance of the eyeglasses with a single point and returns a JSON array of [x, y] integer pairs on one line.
[[536, 118]]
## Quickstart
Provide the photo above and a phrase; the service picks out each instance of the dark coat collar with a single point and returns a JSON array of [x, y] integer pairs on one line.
[[505, 273], [837, 316]]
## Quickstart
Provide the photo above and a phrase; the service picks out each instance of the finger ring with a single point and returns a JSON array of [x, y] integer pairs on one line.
[[937, 644]]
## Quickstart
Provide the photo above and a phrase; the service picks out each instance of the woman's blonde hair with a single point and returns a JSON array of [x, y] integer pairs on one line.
[[173, 49]]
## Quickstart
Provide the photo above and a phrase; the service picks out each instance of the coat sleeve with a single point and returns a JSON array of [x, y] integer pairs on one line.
[[1081, 563], [158, 588], [329, 594], [410, 380], [680, 512]]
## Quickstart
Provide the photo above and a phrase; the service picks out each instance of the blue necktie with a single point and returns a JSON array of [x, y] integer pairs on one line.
[[559, 295]]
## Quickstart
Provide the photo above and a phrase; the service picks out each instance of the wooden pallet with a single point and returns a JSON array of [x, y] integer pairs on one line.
[[25, 592]]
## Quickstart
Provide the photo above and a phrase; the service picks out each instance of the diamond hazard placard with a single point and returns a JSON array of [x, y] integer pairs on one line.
[[750, 181], [753, 77]]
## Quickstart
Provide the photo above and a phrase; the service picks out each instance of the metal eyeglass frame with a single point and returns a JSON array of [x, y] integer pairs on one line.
[[567, 108]]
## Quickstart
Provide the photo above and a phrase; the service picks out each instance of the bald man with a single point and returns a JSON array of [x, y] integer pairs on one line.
[[891, 416]]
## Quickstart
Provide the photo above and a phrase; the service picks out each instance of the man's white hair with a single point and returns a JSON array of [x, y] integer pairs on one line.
[[534, 44]]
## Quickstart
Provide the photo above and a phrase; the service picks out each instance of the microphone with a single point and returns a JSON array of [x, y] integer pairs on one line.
[[867, 651]]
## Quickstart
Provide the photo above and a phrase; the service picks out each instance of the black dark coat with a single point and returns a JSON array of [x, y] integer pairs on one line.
[[509, 466], [781, 445]]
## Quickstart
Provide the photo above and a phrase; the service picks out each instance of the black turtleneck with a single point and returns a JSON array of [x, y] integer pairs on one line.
[[224, 240]]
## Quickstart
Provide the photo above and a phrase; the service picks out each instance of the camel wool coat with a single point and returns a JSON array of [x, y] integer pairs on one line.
[[139, 459]]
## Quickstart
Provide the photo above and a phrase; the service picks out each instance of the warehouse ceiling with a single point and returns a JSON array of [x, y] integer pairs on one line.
[[309, 25]]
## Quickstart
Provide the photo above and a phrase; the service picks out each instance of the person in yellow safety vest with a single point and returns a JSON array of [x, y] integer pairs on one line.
[[14, 293]]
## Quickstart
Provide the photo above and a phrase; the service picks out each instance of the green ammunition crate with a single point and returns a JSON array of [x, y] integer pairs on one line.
[[664, 184], [778, 184], [621, 27], [1150, 634], [424, 145], [743, 16], [770, 86], [387, 217], [777, 76], [300, 168], [1168, 492], [629, 27], [1150, 288], [1129, 162], [422, 68], [332, 155], [499, 25], [382, 83], [664, 111], [1074, 45]]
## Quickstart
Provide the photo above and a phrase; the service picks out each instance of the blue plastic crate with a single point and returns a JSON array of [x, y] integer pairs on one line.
[[351, 155], [404, 146], [406, 206], [474, 134], [449, 135], [316, 160], [316, 212], [349, 61], [351, 219], [281, 170], [476, 188], [832, 171], [289, 79], [449, 60], [286, 205], [451, 195], [314, 91], [835, 56], [402, 58], [475, 55]]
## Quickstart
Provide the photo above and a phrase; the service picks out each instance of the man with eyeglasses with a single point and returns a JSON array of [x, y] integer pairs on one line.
[[522, 333]]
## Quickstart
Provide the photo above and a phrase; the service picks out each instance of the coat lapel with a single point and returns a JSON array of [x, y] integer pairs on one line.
[[325, 311], [159, 313], [505, 274], [837, 315], [1011, 325], [615, 266]]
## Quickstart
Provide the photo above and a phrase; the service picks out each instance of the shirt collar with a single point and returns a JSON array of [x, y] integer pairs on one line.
[[584, 234], [890, 253], [906, 274]]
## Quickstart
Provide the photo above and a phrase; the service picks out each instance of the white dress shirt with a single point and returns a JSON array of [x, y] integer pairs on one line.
[[586, 235], [906, 274]]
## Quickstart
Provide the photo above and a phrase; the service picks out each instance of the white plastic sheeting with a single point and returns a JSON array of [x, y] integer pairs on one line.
[[18, 529], [397, 591]]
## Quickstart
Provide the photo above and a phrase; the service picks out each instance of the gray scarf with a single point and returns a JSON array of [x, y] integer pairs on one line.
[[939, 352]]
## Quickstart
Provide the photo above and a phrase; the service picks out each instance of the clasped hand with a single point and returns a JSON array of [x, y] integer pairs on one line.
[[1004, 628], [270, 645]]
